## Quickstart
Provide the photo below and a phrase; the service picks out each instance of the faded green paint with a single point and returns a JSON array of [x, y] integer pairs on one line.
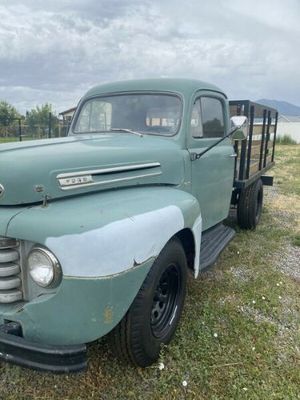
[[35, 164], [82, 308], [183, 87], [212, 174], [82, 214], [78, 312], [6, 215], [39, 163], [214, 193]]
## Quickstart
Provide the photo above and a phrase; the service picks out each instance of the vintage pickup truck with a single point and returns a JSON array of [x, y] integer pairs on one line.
[[98, 230]]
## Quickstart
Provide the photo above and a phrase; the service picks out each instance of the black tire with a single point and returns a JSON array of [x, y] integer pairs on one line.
[[250, 205], [154, 314]]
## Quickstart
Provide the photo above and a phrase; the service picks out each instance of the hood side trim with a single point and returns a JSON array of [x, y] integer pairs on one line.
[[109, 181], [103, 171]]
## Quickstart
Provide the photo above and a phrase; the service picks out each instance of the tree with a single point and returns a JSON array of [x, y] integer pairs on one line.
[[8, 117], [39, 118]]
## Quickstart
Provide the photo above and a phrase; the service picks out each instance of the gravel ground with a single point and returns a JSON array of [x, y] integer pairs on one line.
[[288, 261]]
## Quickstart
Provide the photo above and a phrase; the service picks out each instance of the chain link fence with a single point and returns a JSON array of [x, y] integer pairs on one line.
[[19, 129]]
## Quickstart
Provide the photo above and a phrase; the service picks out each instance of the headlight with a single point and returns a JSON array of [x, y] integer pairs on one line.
[[44, 267]]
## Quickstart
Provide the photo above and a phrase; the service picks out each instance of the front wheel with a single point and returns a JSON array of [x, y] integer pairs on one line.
[[154, 314]]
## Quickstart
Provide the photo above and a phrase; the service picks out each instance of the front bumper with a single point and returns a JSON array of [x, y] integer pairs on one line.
[[58, 359]]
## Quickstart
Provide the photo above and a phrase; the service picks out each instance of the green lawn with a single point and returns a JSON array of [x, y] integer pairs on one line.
[[8, 139], [239, 335], [13, 139]]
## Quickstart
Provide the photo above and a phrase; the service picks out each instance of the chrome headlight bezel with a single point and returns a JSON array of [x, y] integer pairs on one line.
[[56, 271]]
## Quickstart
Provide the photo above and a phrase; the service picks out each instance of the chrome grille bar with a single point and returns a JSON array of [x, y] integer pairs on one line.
[[10, 271]]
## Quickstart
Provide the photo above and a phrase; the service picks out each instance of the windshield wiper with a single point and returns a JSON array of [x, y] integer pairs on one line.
[[125, 130]]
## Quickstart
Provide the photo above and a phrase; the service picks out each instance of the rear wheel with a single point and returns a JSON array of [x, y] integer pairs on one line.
[[250, 205], [154, 314]]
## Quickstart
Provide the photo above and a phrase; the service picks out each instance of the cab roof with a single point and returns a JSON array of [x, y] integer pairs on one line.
[[182, 86]]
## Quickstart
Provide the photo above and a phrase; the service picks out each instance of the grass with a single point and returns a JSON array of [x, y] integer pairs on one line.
[[8, 139], [14, 139], [287, 169], [17, 139], [285, 139], [296, 240], [239, 335]]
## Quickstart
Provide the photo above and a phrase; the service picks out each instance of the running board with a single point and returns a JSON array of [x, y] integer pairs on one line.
[[214, 240]]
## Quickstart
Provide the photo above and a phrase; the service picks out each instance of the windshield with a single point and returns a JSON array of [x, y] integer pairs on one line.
[[143, 113]]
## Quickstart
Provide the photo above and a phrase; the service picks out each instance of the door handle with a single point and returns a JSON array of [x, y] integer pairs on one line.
[[232, 155]]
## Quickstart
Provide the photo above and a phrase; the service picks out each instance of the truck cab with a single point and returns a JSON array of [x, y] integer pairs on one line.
[[99, 230]]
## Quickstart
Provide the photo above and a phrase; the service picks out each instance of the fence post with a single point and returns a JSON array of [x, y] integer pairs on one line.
[[50, 120], [20, 129]]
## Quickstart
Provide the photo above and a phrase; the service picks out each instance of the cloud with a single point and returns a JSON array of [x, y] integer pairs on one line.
[[54, 51]]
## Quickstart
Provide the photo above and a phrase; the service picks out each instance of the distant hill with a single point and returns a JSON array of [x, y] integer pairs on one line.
[[282, 107]]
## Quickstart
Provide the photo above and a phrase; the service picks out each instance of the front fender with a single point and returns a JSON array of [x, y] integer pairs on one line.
[[106, 244], [82, 310], [108, 233]]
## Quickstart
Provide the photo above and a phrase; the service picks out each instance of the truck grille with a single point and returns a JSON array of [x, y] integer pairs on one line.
[[10, 271]]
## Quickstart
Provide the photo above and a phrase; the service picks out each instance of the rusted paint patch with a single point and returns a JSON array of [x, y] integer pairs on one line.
[[108, 315]]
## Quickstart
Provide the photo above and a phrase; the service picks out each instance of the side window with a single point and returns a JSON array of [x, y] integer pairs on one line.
[[196, 124], [212, 117]]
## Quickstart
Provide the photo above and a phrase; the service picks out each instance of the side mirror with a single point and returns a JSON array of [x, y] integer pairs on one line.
[[239, 126]]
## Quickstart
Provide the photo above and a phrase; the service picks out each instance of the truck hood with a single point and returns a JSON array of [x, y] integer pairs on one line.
[[55, 168]]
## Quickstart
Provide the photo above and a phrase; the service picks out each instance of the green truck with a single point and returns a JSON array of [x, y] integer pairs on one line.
[[99, 229]]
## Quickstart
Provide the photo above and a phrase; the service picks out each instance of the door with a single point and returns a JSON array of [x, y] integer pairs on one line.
[[212, 173]]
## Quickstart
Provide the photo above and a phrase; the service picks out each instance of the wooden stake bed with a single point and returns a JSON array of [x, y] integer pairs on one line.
[[255, 155]]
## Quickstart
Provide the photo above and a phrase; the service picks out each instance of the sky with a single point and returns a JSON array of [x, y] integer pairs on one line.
[[54, 51]]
